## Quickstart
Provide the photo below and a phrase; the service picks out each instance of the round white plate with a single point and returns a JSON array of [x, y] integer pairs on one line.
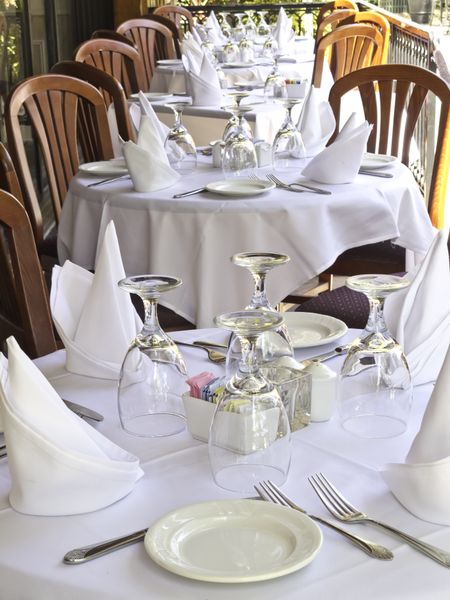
[[233, 541], [311, 329], [237, 65], [169, 62], [376, 161], [105, 167], [153, 96], [240, 187]]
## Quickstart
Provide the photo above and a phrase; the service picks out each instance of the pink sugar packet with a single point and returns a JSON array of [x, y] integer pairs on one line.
[[197, 382]]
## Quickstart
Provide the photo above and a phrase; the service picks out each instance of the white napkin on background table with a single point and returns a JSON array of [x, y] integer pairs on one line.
[[283, 32], [419, 315], [340, 162], [59, 464], [214, 30], [147, 160], [316, 122], [204, 85], [193, 52], [422, 484], [94, 317]]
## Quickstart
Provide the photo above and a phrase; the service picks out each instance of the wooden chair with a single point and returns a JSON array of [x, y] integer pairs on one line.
[[8, 176], [120, 60], [330, 7], [334, 19], [62, 111], [182, 17], [370, 17], [347, 49], [24, 306], [111, 34], [153, 41], [393, 97], [176, 36], [108, 85]]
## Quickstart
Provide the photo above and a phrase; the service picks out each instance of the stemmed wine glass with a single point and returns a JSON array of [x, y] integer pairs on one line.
[[233, 122], [288, 142], [250, 27], [249, 439], [239, 29], [179, 145], [375, 383], [153, 373], [263, 28], [275, 85], [239, 154], [224, 25]]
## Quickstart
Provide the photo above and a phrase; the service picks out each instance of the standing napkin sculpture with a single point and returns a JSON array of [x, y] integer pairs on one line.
[[283, 32], [316, 122], [59, 464], [202, 83], [94, 318]]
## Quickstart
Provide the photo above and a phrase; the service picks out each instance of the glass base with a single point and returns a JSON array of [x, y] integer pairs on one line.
[[155, 424], [374, 426], [242, 478]]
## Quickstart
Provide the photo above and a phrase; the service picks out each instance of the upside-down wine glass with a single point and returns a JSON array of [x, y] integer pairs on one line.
[[275, 85], [288, 143], [263, 28], [239, 154], [233, 121], [179, 144], [375, 390], [239, 29], [153, 373], [249, 439]]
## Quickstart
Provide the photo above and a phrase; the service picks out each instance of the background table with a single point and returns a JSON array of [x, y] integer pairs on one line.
[[177, 473]]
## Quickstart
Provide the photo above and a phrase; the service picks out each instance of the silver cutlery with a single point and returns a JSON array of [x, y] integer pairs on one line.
[[83, 411], [326, 355], [375, 173], [109, 180], [81, 555], [270, 492], [190, 193], [211, 344], [213, 355], [291, 186], [342, 510], [3, 451]]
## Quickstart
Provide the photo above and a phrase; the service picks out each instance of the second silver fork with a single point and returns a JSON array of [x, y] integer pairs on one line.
[[292, 186], [269, 491]]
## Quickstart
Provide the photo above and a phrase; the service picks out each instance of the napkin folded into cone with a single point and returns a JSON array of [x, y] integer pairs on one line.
[[147, 160], [283, 32], [59, 464], [316, 122], [214, 30], [203, 85], [192, 51], [422, 484], [93, 316], [419, 315], [340, 162]]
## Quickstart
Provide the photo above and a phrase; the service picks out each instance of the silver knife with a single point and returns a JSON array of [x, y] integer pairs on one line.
[[83, 411], [326, 355], [375, 173], [81, 555], [109, 180], [190, 193]]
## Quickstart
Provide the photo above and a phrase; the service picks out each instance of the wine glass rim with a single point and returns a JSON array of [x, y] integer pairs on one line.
[[248, 321], [154, 282]]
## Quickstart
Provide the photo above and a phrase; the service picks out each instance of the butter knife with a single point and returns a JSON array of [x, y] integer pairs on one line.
[[326, 355], [81, 555], [109, 180], [83, 411], [190, 193], [375, 173]]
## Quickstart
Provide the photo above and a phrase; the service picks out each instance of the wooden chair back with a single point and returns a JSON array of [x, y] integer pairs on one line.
[[330, 7], [111, 34], [393, 97], [24, 306], [182, 17], [8, 176], [347, 49], [176, 36], [370, 17], [153, 41], [334, 19], [120, 60], [108, 85], [62, 111]]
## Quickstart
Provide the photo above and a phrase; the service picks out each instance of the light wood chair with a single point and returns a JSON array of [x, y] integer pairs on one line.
[[330, 7], [63, 111], [108, 85], [370, 17], [24, 306], [120, 60], [330, 22], [347, 49], [153, 40], [176, 35], [182, 17], [111, 34]]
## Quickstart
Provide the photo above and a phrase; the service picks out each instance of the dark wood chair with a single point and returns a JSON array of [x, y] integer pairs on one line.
[[111, 34], [182, 17], [153, 41], [63, 112], [347, 49], [108, 85], [24, 306], [329, 7], [120, 60], [173, 28], [8, 176]]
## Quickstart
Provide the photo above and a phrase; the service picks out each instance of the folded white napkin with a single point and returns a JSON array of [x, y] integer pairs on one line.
[[204, 86], [59, 464], [214, 30], [340, 162], [316, 122], [3, 378], [283, 32], [422, 484], [147, 160], [193, 52], [94, 317], [117, 142], [148, 110], [419, 315]]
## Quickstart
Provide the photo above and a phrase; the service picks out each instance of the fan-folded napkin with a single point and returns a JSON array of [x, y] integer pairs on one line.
[[147, 160], [214, 30], [59, 464], [316, 122], [422, 484], [419, 315], [193, 52], [283, 32], [340, 162], [203, 85], [94, 317]]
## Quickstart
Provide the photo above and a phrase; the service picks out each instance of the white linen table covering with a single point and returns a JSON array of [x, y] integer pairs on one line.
[[177, 474], [194, 237]]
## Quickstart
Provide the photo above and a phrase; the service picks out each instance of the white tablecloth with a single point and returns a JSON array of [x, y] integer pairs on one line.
[[194, 237], [176, 474]]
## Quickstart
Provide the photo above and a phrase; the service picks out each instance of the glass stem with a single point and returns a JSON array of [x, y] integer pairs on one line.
[[151, 322], [259, 298], [375, 323], [249, 360]]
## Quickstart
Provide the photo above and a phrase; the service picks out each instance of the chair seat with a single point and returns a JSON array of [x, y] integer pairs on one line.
[[383, 257], [341, 303]]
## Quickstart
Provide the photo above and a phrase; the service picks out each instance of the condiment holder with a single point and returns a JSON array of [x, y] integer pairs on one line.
[[323, 391]]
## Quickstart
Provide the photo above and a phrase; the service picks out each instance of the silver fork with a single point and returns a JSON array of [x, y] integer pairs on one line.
[[282, 185], [291, 186], [341, 509], [269, 491]]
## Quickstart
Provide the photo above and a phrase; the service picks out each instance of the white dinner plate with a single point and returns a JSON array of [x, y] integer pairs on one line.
[[170, 62], [153, 96], [376, 161], [233, 541], [238, 65], [240, 187], [311, 329], [105, 167]]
